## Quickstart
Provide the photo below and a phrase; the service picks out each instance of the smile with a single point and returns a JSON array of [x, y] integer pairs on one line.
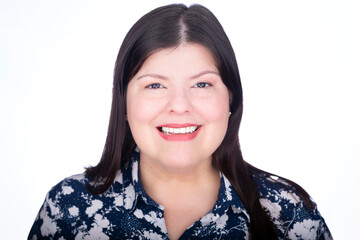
[[178, 132], [183, 130]]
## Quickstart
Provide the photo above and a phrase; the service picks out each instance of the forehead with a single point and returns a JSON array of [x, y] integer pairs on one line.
[[187, 55]]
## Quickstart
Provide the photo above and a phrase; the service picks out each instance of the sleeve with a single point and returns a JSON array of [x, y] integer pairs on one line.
[[45, 226], [58, 216], [291, 218], [308, 225]]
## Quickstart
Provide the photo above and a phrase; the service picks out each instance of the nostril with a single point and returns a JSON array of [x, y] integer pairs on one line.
[[180, 107]]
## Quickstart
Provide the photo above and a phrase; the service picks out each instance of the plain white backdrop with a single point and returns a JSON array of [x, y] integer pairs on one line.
[[299, 62]]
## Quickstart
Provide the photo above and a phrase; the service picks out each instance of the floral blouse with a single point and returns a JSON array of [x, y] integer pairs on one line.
[[125, 211]]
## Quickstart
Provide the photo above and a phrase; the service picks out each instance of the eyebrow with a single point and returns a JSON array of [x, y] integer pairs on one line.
[[165, 78], [204, 73], [152, 75]]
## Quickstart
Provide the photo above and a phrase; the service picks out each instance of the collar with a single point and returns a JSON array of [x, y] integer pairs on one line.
[[132, 189], [227, 200], [134, 192]]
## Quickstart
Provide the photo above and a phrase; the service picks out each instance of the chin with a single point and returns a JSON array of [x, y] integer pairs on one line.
[[178, 164]]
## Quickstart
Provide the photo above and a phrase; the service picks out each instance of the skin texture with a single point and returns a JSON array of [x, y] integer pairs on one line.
[[180, 85]]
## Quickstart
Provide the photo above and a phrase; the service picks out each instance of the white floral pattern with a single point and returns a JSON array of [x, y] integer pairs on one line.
[[125, 211]]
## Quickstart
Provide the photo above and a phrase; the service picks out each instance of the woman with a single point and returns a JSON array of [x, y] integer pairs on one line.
[[172, 166]]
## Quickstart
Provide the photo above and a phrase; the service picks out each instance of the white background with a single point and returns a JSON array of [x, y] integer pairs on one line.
[[299, 62]]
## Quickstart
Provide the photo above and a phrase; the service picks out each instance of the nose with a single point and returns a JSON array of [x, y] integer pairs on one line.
[[179, 102]]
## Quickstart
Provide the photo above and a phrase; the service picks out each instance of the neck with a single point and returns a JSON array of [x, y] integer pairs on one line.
[[162, 184]]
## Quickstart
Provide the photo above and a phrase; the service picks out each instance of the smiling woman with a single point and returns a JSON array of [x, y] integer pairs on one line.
[[172, 166], [188, 108]]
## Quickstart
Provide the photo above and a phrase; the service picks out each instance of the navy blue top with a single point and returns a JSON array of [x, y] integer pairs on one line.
[[125, 211]]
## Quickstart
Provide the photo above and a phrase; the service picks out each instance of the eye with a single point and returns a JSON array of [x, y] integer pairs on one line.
[[202, 85], [154, 86]]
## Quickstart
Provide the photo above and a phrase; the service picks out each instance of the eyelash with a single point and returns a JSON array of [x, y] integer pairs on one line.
[[197, 85], [151, 86], [203, 83]]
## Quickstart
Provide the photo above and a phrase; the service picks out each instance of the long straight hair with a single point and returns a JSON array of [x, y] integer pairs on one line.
[[166, 27]]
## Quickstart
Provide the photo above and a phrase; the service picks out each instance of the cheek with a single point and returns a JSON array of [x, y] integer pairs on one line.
[[141, 110], [215, 109]]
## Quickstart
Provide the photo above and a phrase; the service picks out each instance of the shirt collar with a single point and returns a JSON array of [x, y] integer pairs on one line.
[[132, 182], [227, 196]]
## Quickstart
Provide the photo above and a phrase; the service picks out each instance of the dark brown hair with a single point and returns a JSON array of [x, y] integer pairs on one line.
[[165, 27]]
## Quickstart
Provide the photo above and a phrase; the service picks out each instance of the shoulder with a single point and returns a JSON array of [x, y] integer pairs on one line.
[[68, 186], [70, 210], [72, 192], [275, 189], [291, 217]]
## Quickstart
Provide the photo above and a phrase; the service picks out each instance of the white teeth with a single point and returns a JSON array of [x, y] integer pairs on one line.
[[185, 130]]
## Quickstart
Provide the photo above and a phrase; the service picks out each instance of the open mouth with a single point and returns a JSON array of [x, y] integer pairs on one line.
[[178, 131]]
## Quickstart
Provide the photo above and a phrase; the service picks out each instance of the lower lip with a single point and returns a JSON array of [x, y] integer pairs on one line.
[[179, 137]]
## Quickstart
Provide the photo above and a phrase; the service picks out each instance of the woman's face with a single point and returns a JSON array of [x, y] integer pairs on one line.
[[178, 108]]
